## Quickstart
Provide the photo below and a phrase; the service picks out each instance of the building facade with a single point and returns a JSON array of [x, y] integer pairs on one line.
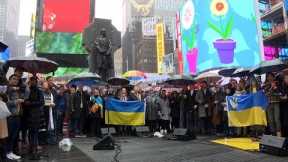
[[9, 23], [138, 39]]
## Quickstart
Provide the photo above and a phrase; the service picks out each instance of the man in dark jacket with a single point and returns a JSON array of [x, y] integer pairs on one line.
[[33, 104], [190, 110], [61, 106], [84, 102], [73, 105]]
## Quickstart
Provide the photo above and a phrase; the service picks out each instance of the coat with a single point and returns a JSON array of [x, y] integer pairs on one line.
[[73, 105], [3, 128], [165, 109], [34, 106], [203, 100], [151, 108]]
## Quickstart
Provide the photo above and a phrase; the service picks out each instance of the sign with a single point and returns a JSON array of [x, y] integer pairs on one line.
[[179, 45], [213, 35], [160, 44], [148, 26]]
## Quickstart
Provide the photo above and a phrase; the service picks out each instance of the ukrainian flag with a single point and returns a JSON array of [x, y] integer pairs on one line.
[[247, 110], [124, 112]]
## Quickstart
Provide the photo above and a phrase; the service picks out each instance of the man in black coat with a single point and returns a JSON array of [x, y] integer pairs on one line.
[[73, 105], [190, 109], [33, 104]]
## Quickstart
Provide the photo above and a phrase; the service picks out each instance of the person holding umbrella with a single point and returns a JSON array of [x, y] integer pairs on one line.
[[33, 105]]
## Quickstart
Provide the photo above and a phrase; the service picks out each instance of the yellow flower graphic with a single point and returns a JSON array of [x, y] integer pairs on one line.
[[219, 7]]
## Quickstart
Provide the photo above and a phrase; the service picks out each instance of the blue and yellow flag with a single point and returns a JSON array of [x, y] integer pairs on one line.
[[247, 110], [124, 112]]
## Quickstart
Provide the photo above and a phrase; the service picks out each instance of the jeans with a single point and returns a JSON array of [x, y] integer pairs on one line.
[[75, 125], [274, 117], [13, 130], [59, 123], [33, 137]]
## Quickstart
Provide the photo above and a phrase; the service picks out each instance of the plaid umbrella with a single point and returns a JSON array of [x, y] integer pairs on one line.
[[33, 64], [134, 74]]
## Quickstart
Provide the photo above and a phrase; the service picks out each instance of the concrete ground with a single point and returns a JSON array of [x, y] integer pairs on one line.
[[160, 150]]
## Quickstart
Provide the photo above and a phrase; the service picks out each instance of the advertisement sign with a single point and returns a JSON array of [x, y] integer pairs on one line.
[[219, 33], [62, 25], [160, 44], [179, 44], [148, 26], [65, 15]]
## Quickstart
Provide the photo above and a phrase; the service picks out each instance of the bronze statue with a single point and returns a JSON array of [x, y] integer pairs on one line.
[[100, 56]]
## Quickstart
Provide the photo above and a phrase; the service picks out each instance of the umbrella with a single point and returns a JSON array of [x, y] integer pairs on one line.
[[213, 74], [33, 64], [117, 81], [3, 47], [89, 83], [87, 76], [180, 80], [134, 74], [269, 66], [241, 72], [227, 72]]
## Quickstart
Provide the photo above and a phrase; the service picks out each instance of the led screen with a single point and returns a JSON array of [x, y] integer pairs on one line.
[[63, 21], [219, 33]]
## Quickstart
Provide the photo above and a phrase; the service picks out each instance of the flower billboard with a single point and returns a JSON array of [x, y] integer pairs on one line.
[[219, 33]]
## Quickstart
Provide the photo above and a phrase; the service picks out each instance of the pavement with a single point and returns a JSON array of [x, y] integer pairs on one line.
[[160, 150], [156, 150]]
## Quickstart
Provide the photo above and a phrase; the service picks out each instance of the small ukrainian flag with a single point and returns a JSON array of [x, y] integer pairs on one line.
[[124, 112], [247, 110]]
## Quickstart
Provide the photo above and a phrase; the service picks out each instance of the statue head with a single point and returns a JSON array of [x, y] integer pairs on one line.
[[103, 32]]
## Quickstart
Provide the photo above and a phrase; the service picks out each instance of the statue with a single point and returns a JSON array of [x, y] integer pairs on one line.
[[100, 56]]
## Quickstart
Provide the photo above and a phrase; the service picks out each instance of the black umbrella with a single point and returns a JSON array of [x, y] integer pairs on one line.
[[33, 64], [241, 72], [117, 81], [86, 76], [3, 47], [227, 72], [180, 80], [269, 66]]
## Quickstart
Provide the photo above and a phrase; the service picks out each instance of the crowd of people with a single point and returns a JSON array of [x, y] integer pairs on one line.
[[40, 108]]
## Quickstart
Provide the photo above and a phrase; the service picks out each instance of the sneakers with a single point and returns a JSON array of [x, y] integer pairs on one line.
[[12, 156]]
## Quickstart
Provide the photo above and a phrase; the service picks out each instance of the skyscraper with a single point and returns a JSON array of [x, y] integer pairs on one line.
[[138, 35], [3, 17], [9, 22]]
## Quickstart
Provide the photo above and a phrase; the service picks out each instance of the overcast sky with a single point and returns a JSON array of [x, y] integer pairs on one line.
[[108, 9]]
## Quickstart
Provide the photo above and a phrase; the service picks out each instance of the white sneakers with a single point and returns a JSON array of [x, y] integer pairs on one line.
[[12, 156]]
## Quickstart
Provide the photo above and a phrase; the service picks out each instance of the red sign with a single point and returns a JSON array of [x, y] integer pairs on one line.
[[179, 44], [65, 15]]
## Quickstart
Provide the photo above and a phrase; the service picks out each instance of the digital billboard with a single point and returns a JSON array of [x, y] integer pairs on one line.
[[61, 25], [219, 33]]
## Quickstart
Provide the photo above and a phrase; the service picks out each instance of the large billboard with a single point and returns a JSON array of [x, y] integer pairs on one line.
[[219, 33], [61, 25], [160, 44]]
